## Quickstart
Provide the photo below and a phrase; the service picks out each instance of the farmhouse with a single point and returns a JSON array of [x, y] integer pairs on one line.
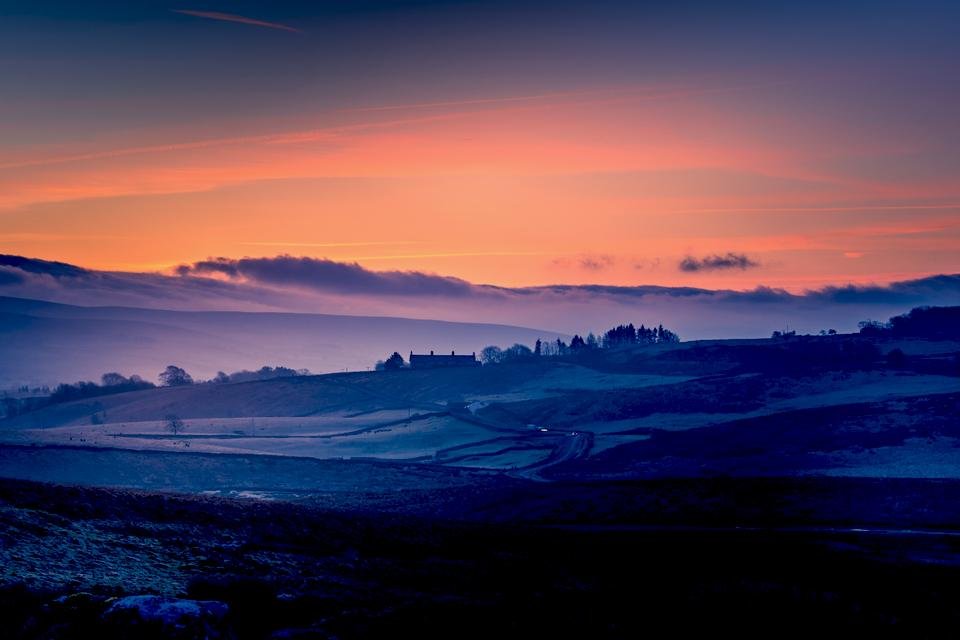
[[433, 361]]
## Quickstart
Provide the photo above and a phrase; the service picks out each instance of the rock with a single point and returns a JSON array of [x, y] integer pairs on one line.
[[299, 634], [157, 616], [80, 600]]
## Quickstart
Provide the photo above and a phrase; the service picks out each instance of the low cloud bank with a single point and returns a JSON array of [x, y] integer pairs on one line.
[[328, 275], [292, 284]]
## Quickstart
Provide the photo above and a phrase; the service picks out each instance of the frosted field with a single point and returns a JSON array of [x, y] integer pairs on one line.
[[384, 435], [816, 392], [566, 378], [521, 419]]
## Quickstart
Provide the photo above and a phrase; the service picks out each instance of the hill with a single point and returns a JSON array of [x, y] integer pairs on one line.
[[47, 343], [838, 405]]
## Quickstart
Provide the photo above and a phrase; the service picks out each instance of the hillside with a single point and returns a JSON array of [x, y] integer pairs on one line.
[[47, 343], [837, 405]]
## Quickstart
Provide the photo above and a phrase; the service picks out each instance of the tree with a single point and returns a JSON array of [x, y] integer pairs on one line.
[[619, 336], [517, 352], [394, 362], [872, 327], [667, 336], [537, 348], [113, 379], [174, 376], [491, 355], [221, 378], [897, 359], [174, 424]]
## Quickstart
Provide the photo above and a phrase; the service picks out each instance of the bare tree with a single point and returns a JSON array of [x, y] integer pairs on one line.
[[174, 424]]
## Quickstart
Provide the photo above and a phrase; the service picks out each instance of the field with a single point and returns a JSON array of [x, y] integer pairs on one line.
[[666, 410]]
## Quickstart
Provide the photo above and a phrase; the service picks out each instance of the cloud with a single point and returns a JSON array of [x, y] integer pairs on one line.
[[308, 285], [717, 262], [907, 292], [230, 17], [330, 276], [596, 262], [587, 261], [33, 265], [10, 276], [645, 263]]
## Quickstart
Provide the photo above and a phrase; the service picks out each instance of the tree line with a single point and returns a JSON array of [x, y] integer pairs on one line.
[[172, 376], [919, 322], [617, 337]]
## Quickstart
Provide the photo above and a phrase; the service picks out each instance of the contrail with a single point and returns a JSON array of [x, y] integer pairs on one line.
[[230, 17], [879, 207]]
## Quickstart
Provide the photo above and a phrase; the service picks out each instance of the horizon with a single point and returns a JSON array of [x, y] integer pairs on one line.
[[288, 284]]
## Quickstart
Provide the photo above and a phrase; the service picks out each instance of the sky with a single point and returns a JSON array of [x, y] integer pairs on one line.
[[518, 144]]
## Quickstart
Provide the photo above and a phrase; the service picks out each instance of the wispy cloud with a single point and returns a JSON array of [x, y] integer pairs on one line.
[[717, 262], [333, 131], [230, 17], [497, 100], [456, 254], [387, 243], [586, 261], [596, 262]]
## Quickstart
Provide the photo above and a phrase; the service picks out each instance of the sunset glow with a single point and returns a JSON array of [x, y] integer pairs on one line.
[[450, 145]]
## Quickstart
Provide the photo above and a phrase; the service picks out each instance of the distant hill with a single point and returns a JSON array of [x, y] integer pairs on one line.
[[45, 343]]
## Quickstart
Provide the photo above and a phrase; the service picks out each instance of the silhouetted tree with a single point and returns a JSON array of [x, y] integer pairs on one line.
[[872, 327], [491, 355], [927, 322], [537, 348], [113, 379], [174, 376], [517, 352], [221, 378], [666, 336], [619, 336]]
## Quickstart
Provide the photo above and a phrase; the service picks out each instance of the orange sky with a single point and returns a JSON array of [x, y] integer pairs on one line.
[[581, 184]]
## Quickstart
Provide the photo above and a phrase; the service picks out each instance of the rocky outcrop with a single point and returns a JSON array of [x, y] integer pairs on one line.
[[157, 616]]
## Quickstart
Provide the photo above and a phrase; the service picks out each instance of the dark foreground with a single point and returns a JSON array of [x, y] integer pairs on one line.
[[296, 571]]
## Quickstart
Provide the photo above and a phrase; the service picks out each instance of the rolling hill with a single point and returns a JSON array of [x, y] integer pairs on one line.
[[47, 343]]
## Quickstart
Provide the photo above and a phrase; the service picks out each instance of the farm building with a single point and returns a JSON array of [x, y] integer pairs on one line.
[[433, 361]]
